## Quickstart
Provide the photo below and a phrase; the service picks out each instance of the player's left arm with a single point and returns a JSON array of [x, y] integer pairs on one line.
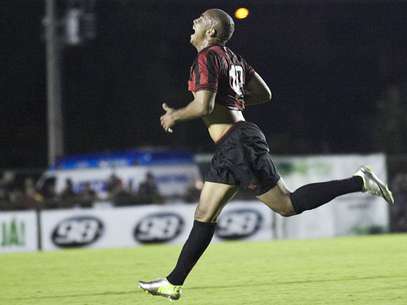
[[257, 91], [202, 105]]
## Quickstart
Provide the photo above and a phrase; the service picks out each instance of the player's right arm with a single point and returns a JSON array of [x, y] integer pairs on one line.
[[256, 91], [202, 105]]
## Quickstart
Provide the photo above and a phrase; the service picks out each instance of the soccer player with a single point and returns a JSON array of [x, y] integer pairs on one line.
[[223, 84]]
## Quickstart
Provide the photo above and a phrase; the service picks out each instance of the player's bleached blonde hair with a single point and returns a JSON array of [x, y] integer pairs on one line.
[[222, 23]]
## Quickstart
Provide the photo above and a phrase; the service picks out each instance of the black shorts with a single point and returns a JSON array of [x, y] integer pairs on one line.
[[242, 158]]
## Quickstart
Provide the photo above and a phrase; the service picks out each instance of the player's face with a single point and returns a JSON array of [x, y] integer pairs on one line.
[[200, 26]]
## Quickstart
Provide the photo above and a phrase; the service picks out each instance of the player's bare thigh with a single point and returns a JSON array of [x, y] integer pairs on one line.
[[213, 198], [278, 199]]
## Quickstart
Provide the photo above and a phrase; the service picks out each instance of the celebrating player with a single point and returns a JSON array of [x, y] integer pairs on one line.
[[223, 84]]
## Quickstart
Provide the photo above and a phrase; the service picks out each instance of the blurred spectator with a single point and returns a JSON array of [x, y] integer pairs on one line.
[[17, 194], [21, 190], [113, 184], [7, 182], [122, 197], [148, 190], [15, 198], [51, 200], [87, 196], [31, 198], [68, 191], [68, 197]]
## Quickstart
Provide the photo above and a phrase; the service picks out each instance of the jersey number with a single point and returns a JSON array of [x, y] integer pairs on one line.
[[236, 79]]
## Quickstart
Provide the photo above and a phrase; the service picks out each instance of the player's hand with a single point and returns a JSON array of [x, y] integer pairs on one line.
[[167, 120]]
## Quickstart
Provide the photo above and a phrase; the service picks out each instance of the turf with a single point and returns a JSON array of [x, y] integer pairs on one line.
[[359, 271]]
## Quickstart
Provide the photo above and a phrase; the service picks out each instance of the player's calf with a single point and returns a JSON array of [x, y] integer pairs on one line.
[[313, 195]]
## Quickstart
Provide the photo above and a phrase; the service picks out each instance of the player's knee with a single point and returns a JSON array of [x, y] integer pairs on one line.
[[287, 212], [204, 218], [203, 215], [287, 209]]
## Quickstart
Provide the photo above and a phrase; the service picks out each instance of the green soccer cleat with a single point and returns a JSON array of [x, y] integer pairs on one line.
[[162, 288], [373, 185]]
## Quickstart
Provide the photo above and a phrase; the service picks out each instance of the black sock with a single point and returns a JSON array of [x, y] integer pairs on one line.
[[313, 195], [196, 244]]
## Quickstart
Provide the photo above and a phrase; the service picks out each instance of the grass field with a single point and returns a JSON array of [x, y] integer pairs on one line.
[[361, 270]]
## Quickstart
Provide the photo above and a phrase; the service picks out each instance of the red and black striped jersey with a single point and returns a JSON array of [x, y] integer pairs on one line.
[[217, 68]]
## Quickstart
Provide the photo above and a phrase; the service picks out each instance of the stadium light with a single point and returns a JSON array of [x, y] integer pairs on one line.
[[54, 95], [72, 28], [241, 13], [79, 22]]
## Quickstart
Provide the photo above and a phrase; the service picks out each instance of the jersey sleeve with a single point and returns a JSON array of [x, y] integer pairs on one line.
[[205, 73], [249, 71]]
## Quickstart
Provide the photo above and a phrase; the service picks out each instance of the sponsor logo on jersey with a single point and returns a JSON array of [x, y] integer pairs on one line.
[[237, 224], [158, 228], [77, 232]]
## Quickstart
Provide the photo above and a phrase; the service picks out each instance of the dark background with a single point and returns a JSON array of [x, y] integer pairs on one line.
[[337, 70]]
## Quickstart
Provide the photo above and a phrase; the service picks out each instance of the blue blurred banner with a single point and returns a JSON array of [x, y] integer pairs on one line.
[[129, 158]]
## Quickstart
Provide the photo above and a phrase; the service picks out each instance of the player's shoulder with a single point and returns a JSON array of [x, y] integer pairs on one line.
[[212, 51], [217, 49], [224, 51]]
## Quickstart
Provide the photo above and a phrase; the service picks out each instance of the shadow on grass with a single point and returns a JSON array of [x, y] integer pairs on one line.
[[299, 282], [75, 295], [252, 284]]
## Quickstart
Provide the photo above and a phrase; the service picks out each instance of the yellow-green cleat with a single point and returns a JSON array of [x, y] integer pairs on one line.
[[373, 185], [162, 288]]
